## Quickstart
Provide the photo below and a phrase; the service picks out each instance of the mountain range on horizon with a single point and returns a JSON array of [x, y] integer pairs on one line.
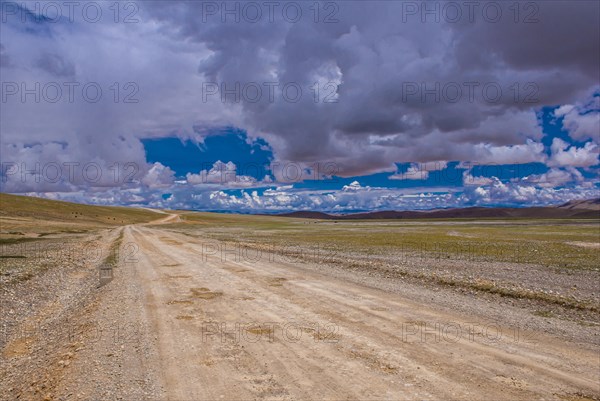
[[587, 208]]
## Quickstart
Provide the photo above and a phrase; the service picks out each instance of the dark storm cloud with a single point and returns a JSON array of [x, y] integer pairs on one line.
[[56, 65], [377, 55], [382, 60], [4, 58], [555, 35]]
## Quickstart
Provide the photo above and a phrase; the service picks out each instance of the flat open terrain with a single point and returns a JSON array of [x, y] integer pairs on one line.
[[197, 306]]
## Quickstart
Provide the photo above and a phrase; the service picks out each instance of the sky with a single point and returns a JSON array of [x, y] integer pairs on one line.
[[343, 106]]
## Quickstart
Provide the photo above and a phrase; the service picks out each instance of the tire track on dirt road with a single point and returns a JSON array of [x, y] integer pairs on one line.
[[236, 362], [221, 328]]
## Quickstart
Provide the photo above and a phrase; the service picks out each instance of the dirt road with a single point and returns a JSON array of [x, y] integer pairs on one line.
[[235, 326], [214, 322]]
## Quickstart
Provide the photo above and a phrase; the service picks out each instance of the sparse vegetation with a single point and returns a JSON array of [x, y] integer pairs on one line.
[[396, 247], [534, 270], [544, 313], [11, 241], [21, 214], [112, 259]]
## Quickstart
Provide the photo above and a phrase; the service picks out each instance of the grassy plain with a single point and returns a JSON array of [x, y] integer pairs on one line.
[[571, 244]]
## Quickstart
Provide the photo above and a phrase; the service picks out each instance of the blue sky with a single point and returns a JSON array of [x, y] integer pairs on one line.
[[437, 180], [359, 112]]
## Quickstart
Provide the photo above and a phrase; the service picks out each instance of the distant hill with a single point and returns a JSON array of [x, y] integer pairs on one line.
[[573, 209], [589, 204], [40, 209], [308, 215]]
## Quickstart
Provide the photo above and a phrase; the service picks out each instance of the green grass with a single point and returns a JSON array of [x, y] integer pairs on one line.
[[26, 207], [548, 242], [542, 242], [239, 221], [544, 313], [12, 241], [351, 244], [112, 259]]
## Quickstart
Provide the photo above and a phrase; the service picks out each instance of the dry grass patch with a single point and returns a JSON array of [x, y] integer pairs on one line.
[[176, 277], [259, 330], [170, 241], [180, 302], [205, 293], [416, 322], [276, 281], [326, 336]]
